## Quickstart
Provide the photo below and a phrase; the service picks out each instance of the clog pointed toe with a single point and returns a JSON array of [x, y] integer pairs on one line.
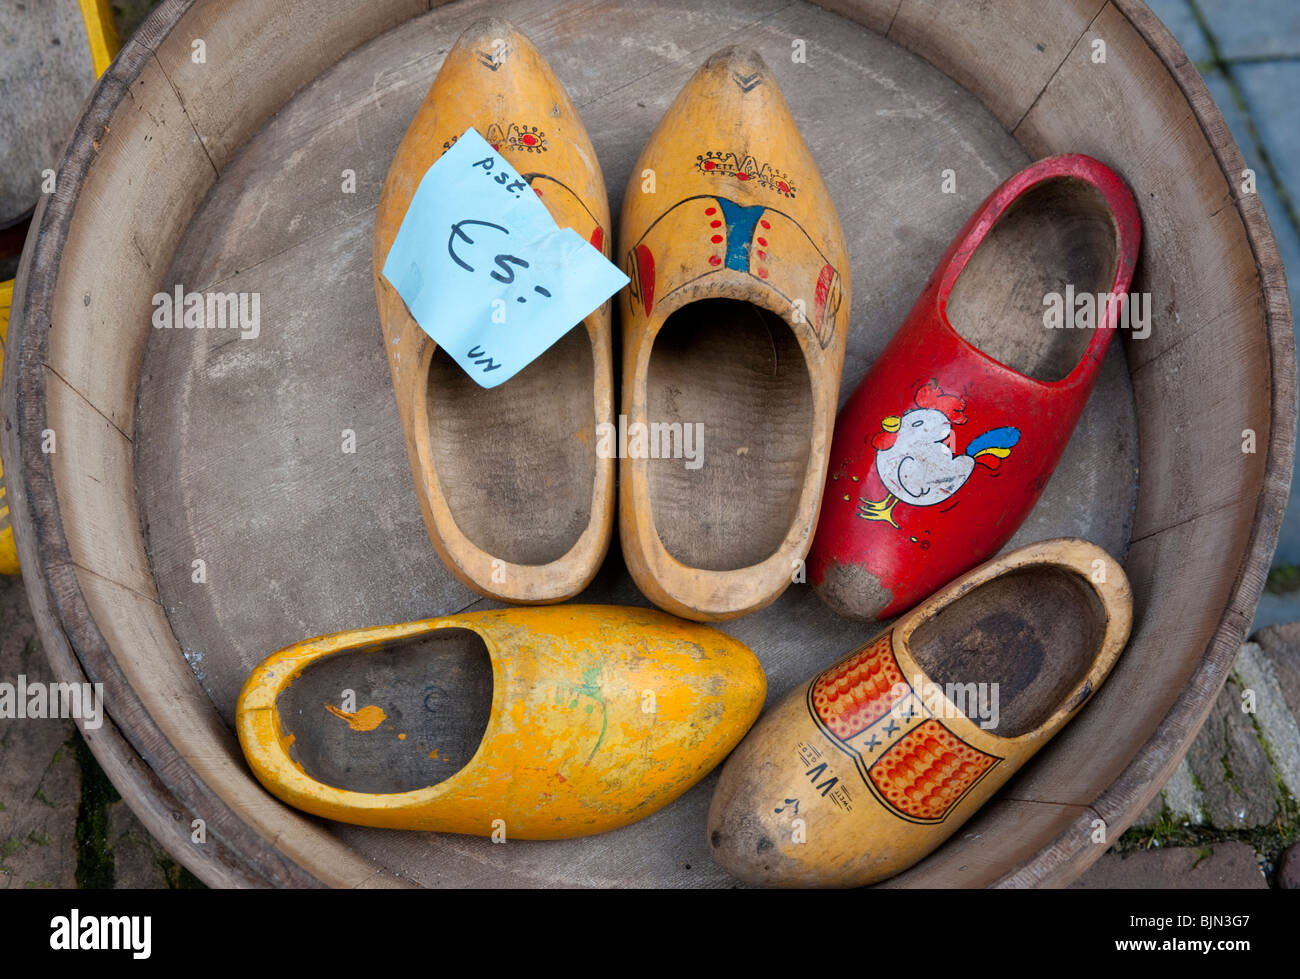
[[536, 723], [872, 764], [734, 330], [516, 501]]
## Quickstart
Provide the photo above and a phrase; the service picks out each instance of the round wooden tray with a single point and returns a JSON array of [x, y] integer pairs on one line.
[[178, 446]]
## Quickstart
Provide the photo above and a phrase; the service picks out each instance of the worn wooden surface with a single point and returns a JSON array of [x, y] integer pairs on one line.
[[337, 540], [229, 438]]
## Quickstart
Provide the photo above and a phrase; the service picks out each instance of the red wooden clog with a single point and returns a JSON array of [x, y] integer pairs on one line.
[[951, 436]]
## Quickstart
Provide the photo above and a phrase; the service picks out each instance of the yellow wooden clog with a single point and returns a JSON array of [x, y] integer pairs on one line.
[[517, 502], [734, 328], [869, 766], [537, 723]]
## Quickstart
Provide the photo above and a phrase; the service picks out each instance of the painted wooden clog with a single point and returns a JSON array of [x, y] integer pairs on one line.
[[733, 333], [516, 500], [946, 444], [872, 764], [524, 723]]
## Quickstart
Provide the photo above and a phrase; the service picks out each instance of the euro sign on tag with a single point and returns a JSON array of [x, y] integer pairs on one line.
[[485, 270]]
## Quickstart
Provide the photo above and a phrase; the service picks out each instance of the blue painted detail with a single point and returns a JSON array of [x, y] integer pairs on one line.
[[740, 230], [994, 438]]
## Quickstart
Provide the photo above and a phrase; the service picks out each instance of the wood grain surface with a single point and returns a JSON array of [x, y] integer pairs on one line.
[[181, 446]]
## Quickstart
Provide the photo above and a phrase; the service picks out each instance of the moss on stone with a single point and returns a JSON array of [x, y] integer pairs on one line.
[[95, 862], [1283, 579], [177, 876]]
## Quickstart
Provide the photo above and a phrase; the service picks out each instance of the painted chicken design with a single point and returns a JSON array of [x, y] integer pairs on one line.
[[916, 453]]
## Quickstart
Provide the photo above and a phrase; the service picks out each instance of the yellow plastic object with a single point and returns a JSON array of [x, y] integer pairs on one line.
[[100, 32], [600, 716], [8, 556]]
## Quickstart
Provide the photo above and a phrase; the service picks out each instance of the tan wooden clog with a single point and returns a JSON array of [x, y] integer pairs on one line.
[[869, 766], [733, 330], [516, 500]]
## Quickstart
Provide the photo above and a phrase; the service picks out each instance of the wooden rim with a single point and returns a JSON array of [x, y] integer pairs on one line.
[[1155, 762], [166, 790]]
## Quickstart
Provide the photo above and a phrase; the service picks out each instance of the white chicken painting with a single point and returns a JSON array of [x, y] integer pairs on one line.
[[916, 453]]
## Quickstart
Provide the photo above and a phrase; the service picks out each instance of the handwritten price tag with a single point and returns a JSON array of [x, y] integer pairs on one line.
[[484, 268]]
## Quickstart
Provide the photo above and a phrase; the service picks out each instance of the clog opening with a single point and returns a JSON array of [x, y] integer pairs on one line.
[[729, 409], [517, 463], [1021, 643], [1021, 297], [401, 717]]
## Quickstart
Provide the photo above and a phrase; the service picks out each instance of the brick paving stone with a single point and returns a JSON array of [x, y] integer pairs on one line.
[[1269, 89], [1281, 644], [1275, 724], [1186, 802], [42, 788], [1228, 865], [40, 781], [1178, 17], [1260, 28], [1229, 763]]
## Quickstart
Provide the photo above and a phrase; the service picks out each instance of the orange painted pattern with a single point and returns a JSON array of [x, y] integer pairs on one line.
[[859, 691], [928, 771]]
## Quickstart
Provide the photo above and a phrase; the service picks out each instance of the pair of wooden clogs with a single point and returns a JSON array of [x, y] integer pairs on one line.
[[734, 324], [558, 722]]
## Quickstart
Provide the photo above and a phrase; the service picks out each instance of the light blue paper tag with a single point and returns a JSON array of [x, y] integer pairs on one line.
[[484, 268]]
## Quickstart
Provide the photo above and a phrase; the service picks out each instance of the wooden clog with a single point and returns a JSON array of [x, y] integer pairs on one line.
[[869, 766], [586, 718], [946, 444], [733, 326], [515, 498]]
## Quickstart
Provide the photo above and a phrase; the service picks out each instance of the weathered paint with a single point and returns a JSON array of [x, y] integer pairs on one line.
[[366, 719], [570, 748]]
